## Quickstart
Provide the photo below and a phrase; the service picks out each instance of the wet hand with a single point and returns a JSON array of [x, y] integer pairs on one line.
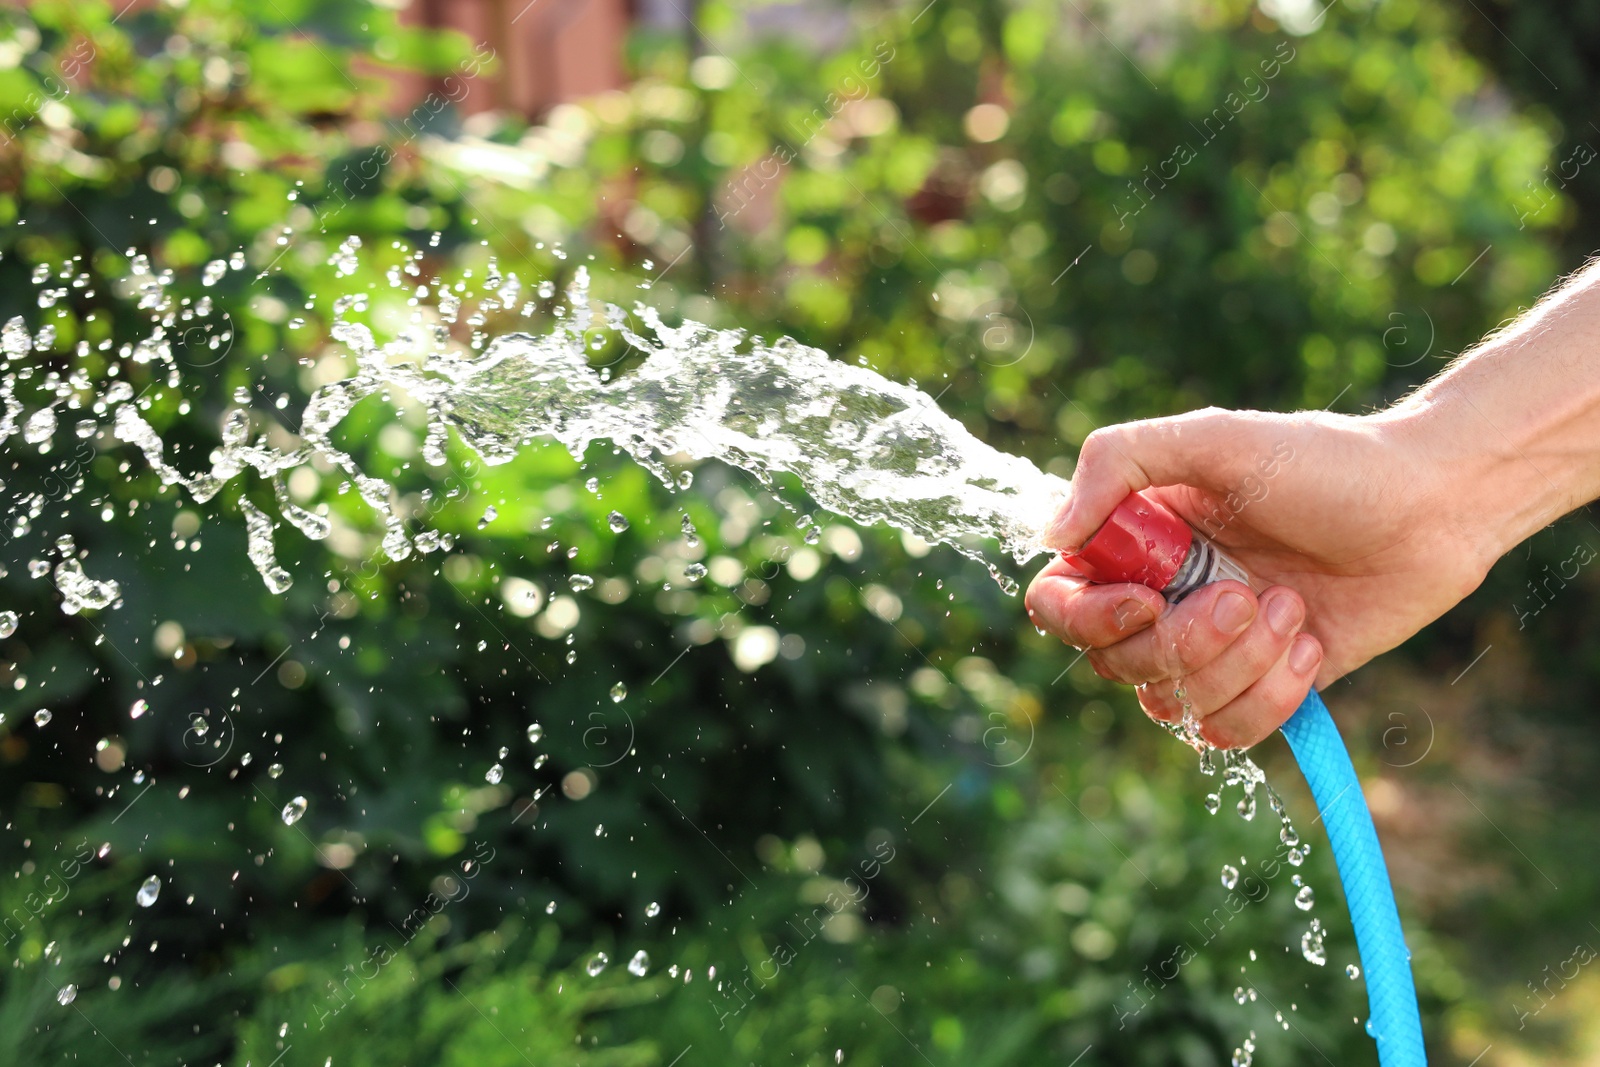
[[1341, 520]]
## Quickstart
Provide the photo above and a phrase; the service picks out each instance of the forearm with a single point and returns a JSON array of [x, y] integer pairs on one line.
[[1512, 427]]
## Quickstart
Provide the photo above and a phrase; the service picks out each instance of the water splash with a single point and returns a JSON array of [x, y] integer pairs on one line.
[[78, 591], [861, 445]]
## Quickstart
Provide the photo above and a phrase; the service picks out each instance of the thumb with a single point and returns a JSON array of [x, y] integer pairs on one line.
[[1197, 448]]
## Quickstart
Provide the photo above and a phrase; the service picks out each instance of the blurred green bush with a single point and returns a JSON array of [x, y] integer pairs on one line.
[[1053, 219]]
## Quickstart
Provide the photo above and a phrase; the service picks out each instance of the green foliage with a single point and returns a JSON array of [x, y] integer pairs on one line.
[[1037, 263]]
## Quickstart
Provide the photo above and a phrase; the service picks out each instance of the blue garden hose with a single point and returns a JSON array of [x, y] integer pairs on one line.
[[1395, 1022]]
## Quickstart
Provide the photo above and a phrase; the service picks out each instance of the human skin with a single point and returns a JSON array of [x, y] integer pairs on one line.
[[1372, 528]]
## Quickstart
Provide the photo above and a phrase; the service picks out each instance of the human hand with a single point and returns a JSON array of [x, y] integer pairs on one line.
[[1351, 527]]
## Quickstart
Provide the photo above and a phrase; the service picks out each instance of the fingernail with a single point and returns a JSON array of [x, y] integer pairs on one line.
[[1232, 613], [1283, 614], [1131, 611], [1303, 654]]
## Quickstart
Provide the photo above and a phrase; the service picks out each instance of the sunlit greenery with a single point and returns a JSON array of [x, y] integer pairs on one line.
[[898, 823]]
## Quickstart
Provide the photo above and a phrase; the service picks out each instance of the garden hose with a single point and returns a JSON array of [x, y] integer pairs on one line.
[[1146, 543], [1392, 999]]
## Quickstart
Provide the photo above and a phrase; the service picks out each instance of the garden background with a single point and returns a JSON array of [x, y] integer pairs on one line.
[[1053, 216]]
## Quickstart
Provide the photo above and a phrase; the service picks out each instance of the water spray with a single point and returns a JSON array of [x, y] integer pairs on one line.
[[1145, 543]]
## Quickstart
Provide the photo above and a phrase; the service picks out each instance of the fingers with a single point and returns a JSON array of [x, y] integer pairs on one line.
[[1244, 661], [1200, 448], [1244, 665], [1187, 637], [1266, 705], [1085, 615]]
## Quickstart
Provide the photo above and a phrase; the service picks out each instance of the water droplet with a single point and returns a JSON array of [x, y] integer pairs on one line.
[[140, 706], [597, 963], [619, 693], [617, 521], [695, 571], [685, 479], [838, 1055], [812, 535], [1213, 802], [345, 261], [490, 514], [1311, 944], [293, 810], [8, 623], [543, 758], [275, 770], [1230, 876], [1305, 898], [550, 908], [1240, 996], [1352, 972], [580, 582], [1247, 803], [1288, 835], [66, 994], [653, 910], [42, 717], [149, 891], [40, 427], [535, 731], [494, 774], [639, 964]]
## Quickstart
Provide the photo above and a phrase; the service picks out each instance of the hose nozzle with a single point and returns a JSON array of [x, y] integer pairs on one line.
[[1145, 543]]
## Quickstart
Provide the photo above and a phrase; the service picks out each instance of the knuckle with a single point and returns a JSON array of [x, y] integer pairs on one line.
[[1182, 652], [1099, 446], [1112, 669], [1103, 667], [1215, 732], [1154, 703], [1094, 444]]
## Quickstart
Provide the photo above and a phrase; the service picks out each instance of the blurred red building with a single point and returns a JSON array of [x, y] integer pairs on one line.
[[548, 51]]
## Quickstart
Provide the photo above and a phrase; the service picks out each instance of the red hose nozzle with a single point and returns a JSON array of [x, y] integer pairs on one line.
[[1142, 542]]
